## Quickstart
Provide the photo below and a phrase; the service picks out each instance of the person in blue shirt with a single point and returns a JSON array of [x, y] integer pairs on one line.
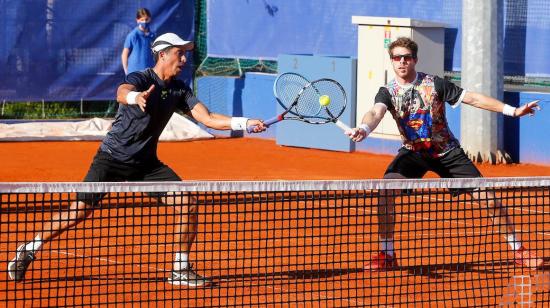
[[136, 55]]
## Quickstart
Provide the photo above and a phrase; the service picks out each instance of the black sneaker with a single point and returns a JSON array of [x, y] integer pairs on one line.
[[19, 265], [188, 277]]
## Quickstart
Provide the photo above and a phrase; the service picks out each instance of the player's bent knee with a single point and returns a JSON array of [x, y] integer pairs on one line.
[[77, 210], [177, 199], [187, 208]]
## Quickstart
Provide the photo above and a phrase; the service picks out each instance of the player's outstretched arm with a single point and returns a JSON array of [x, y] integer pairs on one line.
[[370, 121], [488, 103], [126, 94], [219, 121]]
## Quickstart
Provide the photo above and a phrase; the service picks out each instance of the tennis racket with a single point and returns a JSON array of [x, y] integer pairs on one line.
[[318, 102]]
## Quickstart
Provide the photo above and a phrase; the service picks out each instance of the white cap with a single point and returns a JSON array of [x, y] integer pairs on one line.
[[167, 40]]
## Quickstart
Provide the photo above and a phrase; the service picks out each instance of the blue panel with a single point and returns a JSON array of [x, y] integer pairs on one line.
[[324, 27], [533, 131], [327, 136], [250, 96], [259, 102], [214, 93], [453, 119], [68, 50], [535, 58], [321, 27], [379, 146], [526, 138], [511, 127]]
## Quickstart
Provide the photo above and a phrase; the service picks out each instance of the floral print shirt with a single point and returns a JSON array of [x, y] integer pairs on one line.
[[418, 109]]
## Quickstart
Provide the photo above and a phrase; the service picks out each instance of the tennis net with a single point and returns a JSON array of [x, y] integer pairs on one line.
[[280, 243]]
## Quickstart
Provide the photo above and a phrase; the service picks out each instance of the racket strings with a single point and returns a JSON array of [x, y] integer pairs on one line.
[[288, 86], [308, 105]]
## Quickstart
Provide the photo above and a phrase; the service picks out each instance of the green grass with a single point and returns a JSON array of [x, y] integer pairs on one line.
[[58, 110]]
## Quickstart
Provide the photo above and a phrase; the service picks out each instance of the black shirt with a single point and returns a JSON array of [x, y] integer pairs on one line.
[[134, 135]]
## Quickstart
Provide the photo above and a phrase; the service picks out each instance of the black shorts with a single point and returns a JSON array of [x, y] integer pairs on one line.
[[412, 165], [105, 168]]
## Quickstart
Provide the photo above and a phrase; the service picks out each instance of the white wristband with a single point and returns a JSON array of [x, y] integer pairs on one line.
[[131, 97], [509, 110], [366, 128], [238, 123]]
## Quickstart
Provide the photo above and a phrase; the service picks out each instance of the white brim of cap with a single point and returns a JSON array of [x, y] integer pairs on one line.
[[179, 44]]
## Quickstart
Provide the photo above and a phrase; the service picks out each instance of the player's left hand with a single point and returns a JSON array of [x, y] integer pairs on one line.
[[142, 97], [257, 124], [528, 108]]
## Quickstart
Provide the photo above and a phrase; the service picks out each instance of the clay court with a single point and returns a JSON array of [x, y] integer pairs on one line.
[[220, 159], [260, 250]]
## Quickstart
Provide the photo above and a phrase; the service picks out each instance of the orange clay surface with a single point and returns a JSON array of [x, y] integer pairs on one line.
[[220, 159], [232, 159]]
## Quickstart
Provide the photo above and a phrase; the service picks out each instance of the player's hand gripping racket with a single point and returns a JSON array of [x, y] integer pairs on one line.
[[317, 102]]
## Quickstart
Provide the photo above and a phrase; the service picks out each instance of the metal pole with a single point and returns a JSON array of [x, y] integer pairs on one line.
[[482, 71]]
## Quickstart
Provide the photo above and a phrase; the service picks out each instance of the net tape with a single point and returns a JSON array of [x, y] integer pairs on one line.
[[259, 186]]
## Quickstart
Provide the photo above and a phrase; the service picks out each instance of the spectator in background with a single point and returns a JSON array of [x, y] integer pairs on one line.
[[136, 55]]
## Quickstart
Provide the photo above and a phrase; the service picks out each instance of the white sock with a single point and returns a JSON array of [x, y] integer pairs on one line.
[[180, 261], [386, 245], [35, 244], [514, 243]]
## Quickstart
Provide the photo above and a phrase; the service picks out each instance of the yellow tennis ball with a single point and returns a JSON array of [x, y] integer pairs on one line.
[[324, 100]]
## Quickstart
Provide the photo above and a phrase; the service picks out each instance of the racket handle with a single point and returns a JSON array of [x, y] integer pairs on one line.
[[267, 123], [273, 120], [343, 126]]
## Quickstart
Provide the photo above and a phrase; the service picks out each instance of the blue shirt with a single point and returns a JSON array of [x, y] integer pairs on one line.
[[134, 135], [139, 43]]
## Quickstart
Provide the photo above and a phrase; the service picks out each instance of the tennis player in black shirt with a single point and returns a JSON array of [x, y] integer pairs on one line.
[[129, 153]]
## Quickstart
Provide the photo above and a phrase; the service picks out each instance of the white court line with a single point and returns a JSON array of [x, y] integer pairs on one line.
[[287, 292]]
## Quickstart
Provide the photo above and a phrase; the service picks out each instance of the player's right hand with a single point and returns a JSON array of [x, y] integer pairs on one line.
[[257, 126], [141, 99], [356, 134], [528, 108]]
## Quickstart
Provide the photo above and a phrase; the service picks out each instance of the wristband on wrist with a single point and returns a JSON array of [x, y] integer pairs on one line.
[[238, 123], [366, 128], [131, 97], [509, 110]]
